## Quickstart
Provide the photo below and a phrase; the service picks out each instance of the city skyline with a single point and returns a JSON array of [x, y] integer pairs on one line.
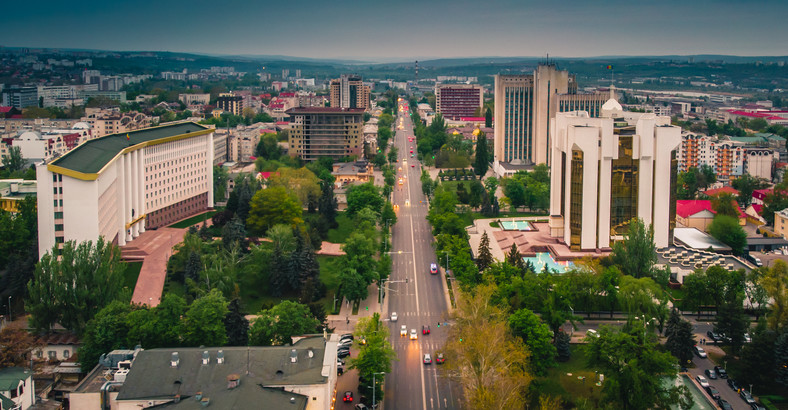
[[405, 30]]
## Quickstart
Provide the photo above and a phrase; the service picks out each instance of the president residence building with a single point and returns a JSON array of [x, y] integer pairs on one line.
[[119, 185]]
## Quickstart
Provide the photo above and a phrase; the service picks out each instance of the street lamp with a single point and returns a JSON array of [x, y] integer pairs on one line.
[[375, 387], [10, 318]]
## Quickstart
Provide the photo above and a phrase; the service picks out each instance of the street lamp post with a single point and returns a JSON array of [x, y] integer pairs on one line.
[[10, 318], [375, 387]]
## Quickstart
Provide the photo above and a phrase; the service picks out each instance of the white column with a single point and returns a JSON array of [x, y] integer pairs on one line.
[[135, 191], [143, 191], [120, 180], [209, 163], [127, 188]]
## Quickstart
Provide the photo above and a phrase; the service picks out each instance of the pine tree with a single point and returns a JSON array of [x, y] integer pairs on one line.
[[327, 203], [781, 360], [515, 259], [484, 258], [193, 266], [680, 340], [236, 325], [296, 264], [277, 276], [482, 161], [562, 346], [488, 118]]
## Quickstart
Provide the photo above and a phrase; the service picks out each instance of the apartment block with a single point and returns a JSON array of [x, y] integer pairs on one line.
[[229, 102], [349, 91], [453, 101], [317, 132]]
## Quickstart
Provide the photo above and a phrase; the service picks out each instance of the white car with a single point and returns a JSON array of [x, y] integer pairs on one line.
[[700, 352], [413, 335], [393, 316], [403, 331], [702, 381]]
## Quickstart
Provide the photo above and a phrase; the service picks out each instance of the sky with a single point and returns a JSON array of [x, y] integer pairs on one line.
[[375, 30]]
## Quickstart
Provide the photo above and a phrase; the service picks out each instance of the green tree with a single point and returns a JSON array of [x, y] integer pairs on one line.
[[273, 206], [203, 323], [641, 297], [105, 332], [680, 340], [781, 360], [13, 161], [732, 322], [563, 352], [327, 204], [635, 254], [537, 337], [723, 204], [633, 370], [482, 160], [727, 230], [488, 118], [301, 182], [359, 255], [514, 189], [706, 177], [268, 147], [387, 215], [374, 356], [354, 285], [71, 288], [236, 325], [756, 357], [220, 177], [278, 325], [746, 184], [775, 283], [483, 257], [363, 196]]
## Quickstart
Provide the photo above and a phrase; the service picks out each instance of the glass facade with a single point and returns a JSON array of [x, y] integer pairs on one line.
[[576, 200], [623, 187]]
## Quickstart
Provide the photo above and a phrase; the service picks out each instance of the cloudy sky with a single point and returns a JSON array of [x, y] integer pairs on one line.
[[403, 29]]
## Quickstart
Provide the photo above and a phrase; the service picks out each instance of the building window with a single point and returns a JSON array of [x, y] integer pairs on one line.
[[52, 354], [59, 239], [58, 227], [58, 215], [66, 354]]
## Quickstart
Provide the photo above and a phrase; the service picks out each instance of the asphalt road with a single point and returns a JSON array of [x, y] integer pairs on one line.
[[422, 300]]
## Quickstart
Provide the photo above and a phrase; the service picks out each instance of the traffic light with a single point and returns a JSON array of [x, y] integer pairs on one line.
[[439, 324]]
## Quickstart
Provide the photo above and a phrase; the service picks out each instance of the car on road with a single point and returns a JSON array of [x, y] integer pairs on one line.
[[413, 166], [393, 316], [360, 406], [746, 396], [433, 268], [700, 352], [427, 358], [733, 385], [715, 337], [347, 397], [411, 151], [425, 330], [413, 335], [713, 392], [721, 372], [403, 331], [439, 359], [756, 406], [711, 374], [702, 381], [747, 338], [724, 405]]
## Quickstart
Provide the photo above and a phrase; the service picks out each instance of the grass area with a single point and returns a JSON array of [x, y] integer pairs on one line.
[[131, 275], [329, 275], [345, 228], [570, 389], [494, 224], [193, 220], [510, 215]]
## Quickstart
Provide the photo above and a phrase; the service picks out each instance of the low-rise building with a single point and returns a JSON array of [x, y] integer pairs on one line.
[[17, 389], [781, 223], [698, 213], [352, 172], [12, 191]]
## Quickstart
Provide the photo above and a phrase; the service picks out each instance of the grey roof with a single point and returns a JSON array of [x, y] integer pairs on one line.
[[241, 397], [152, 376], [759, 240], [694, 238]]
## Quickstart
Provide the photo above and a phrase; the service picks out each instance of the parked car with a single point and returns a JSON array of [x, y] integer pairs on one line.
[[360, 406], [713, 392], [711, 374], [343, 353], [721, 372], [756, 406], [713, 336], [700, 352], [345, 342], [733, 385], [394, 316], [427, 358], [346, 336], [747, 338], [724, 405], [746, 396], [702, 381]]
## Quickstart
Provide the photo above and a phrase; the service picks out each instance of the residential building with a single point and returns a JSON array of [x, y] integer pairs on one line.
[[111, 121], [119, 96], [317, 132], [453, 101], [57, 346], [17, 388], [781, 223], [352, 172], [349, 91], [231, 103], [14, 190], [301, 376], [37, 145], [699, 214], [524, 106], [195, 99], [20, 97], [730, 158], [119, 185], [219, 148], [622, 162]]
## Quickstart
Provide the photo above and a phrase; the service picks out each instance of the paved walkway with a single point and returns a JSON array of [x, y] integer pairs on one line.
[[345, 321], [154, 249]]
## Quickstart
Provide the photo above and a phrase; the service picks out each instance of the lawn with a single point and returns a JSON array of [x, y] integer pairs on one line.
[[131, 275], [345, 228], [193, 220], [570, 389]]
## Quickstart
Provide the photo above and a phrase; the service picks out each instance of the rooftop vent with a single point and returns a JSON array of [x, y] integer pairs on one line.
[[198, 396], [220, 357], [311, 353], [205, 402], [292, 400], [174, 360], [293, 356], [233, 380], [206, 358]]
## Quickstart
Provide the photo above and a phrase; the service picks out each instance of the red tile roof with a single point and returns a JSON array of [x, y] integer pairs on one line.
[[758, 208], [761, 193], [5, 109], [687, 208], [725, 189]]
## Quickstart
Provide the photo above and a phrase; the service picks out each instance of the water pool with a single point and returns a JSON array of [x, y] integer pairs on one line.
[[543, 259], [517, 226]]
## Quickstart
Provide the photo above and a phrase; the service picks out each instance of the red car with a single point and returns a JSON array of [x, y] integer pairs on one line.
[[411, 151], [425, 330], [413, 166], [348, 397]]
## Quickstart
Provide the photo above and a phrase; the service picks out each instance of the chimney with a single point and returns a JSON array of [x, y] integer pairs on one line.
[[220, 357], [206, 358], [293, 356], [174, 360], [233, 380]]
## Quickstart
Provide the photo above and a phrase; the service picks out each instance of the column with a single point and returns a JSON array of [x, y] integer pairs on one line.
[[209, 163], [120, 179], [127, 188], [143, 191], [135, 191]]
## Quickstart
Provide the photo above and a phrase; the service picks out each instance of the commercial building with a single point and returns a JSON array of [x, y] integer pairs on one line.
[[349, 91], [606, 171], [301, 376], [231, 103], [524, 106], [20, 97], [195, 99], [453, 101], [119, 185], [317, 132]]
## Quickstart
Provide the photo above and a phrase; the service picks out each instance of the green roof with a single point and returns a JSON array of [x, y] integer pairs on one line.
[[6, 403], [748, 140], [11, 376], [95, 154]]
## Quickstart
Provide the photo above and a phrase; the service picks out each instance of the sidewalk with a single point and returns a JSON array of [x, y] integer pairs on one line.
[[345, 321]]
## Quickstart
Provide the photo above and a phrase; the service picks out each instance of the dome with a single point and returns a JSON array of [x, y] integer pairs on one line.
[[30, 135], [81, 126], [612, 105]]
